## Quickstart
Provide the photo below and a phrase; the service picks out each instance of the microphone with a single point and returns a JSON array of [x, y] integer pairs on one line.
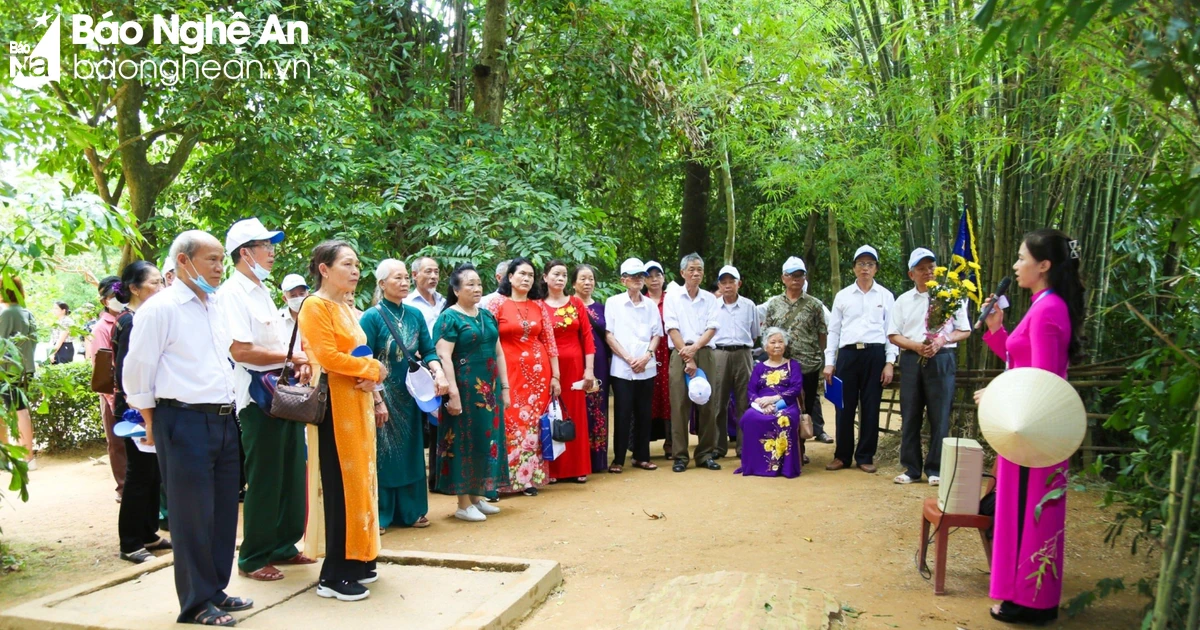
[[1001, 289]]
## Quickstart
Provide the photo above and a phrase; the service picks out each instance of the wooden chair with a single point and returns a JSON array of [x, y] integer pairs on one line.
[[943, 523]]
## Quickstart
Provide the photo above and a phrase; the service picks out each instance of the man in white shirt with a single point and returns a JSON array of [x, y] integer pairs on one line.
[[501, 270], [426, 298], [690, 317], [274, 509], [633, 330], [863, 356], [177, 373], [738, 330], [924, 389], [295, 289]]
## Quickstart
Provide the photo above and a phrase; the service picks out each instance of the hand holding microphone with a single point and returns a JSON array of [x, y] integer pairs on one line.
[[990, 313]]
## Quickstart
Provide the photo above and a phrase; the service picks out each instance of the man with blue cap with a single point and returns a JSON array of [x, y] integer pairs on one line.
[[273, 512], [925, 388], [859, 352]]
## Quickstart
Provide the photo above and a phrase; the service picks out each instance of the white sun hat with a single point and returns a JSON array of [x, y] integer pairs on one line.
[[699, 389], [1032, 417]]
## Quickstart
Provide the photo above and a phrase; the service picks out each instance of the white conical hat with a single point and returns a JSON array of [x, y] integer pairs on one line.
[[1032, 417]]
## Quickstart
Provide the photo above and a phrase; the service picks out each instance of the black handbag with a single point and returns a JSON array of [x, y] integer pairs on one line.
[[562, 430], [299, 403]]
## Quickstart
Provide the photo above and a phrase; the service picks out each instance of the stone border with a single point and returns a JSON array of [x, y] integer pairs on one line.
[[536, 579]]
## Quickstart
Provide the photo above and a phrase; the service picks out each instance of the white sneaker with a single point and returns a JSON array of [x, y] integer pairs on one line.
[[935, 480], [472, 514], [902, 479], [486, 508], [31, 464]]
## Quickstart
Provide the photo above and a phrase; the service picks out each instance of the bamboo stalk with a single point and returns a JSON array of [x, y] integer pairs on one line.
[[1162, 598], [1193, 618]]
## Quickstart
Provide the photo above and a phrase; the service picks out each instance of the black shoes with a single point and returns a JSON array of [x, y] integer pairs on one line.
[[680, 465], [343, 590], [825, 438], [1018, 614], [710, 464]]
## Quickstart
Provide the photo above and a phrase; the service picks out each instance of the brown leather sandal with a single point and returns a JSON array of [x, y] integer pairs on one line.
[[299, 558], [265, 574]]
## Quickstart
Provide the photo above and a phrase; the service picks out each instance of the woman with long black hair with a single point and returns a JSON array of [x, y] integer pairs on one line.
[[1049, 337]]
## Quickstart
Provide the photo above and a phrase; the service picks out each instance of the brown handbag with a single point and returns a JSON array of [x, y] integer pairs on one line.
[[299, 403], [102, 372], [806, 425]]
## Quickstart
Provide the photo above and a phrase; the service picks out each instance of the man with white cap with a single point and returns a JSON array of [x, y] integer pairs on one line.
[[168, 272], [633, 330], [737, 331], [924, 389], [690, 318], [273, 512], [802, 316], [295, 289], [860, 354]]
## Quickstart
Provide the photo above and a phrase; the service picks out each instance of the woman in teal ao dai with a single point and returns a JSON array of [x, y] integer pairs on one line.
[[403, 500]]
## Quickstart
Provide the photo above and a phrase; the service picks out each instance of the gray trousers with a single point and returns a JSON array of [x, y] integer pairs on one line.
[[925, 392], [681, 410], [198, 458], [731, 377]]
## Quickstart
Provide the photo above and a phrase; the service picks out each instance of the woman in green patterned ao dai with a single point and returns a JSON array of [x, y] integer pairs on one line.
[[403, 499]]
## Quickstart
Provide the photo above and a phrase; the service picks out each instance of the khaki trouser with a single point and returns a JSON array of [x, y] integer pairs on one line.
[[681, 409], [730, 375]]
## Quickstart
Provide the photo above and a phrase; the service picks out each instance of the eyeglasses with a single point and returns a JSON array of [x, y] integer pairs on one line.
[[865, 264], [265, 245]]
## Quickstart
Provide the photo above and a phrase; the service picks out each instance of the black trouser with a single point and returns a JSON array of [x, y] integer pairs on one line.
[[860, 371], [336, 567], [137, 521], [198, 458], [812, 400], [925, 391], [632, 404]]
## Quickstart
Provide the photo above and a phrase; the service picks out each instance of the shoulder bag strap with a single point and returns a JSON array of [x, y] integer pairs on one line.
[[287, 363], [395, 333]]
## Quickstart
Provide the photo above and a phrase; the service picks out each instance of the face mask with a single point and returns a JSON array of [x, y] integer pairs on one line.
[[294, 303], [201, 282], [115, 305], [259, 271]]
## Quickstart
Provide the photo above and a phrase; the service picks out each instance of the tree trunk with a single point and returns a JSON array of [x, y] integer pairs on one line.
[[693, 221], [722, 150], [491, 72], [835, 275], [458, 56], [810, 237]]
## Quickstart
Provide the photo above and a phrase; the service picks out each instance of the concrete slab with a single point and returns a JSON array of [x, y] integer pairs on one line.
[[415, 590], [733, 600]]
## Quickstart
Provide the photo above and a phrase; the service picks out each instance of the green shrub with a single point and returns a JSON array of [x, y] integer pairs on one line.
[[66, 412]]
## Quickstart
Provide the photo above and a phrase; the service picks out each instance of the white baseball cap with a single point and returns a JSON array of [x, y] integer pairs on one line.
[[248, 230], [168, 266], [699, 389], [654, 264], [291, 281], [633, 267], [918, 255], [729, 270], [866, 249], [794, 264]]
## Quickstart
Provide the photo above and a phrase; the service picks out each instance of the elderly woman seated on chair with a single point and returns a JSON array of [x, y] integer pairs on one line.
[[770, 426]]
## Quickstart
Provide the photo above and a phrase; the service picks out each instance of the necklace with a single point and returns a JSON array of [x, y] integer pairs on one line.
[[526, 325]]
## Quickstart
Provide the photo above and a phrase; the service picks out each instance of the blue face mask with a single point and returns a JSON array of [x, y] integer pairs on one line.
[[201, 282], [259, 271]]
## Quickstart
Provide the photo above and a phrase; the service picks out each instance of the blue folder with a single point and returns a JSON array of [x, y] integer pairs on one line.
[[833, 392]]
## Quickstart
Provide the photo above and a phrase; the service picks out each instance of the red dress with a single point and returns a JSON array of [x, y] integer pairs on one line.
[[573, 335], [660, 409], [528, 345]]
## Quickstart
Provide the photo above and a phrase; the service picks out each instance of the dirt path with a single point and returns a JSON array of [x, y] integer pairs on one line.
[[863, 532]]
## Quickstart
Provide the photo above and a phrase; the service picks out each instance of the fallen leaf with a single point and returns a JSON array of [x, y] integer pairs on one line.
[[654, 517], [807, 538], [767, 606]]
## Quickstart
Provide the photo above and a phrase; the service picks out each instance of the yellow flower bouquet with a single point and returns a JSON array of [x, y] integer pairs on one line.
[[947, 292]]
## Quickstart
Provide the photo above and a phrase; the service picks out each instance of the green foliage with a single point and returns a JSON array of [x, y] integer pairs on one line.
[[66, 411]]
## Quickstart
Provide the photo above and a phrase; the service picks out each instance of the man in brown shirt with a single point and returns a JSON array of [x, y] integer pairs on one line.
[[803, 317]]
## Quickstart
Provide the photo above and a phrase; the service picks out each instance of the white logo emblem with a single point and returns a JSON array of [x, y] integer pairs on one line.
[[32, 69]]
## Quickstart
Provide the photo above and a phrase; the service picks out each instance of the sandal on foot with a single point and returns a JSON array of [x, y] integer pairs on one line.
[[234, 604], [137, 557], [645, 465], [553, 481], [161, 543], [265, 574], [421, 523], [582, 479], [615, 469], [210, 615], [299, 558]]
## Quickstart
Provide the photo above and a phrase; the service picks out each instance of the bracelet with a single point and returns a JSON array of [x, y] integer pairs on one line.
[[555, 378]]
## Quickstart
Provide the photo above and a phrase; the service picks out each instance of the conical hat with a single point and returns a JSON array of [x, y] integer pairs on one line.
[[1032, 417]]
